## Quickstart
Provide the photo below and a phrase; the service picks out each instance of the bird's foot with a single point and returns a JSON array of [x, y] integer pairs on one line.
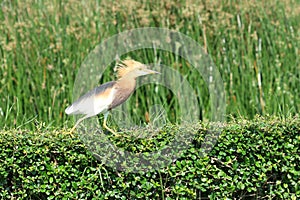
[[112, 131], [70, 133]]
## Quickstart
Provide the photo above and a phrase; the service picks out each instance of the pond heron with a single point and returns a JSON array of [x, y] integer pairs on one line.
[[111, 94]]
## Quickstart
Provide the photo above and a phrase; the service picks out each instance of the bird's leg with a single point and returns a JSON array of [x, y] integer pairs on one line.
[[78, 121], [105, 126]]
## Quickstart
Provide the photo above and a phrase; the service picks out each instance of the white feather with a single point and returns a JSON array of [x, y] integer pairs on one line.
[[91, 104]]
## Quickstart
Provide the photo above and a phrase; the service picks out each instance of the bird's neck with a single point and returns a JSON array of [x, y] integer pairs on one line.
[[127, 81]]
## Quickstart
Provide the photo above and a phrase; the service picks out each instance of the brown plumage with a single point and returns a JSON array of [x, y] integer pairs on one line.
[[111, 94]]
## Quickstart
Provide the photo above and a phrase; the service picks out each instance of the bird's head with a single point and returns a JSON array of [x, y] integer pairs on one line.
[[133, 68]]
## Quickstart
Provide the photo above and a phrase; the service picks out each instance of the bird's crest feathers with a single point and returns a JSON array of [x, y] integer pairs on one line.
[[126, 66]]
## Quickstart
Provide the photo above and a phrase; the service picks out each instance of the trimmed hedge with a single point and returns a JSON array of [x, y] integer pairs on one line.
[[252, 159]]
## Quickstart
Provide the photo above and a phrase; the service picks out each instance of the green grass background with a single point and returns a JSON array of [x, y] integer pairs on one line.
[[254, 44]]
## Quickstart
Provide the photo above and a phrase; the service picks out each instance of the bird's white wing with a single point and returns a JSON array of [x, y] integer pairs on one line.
[[94, 101]]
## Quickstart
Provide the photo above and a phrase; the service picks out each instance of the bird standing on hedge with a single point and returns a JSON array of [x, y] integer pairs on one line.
[[111, 94]]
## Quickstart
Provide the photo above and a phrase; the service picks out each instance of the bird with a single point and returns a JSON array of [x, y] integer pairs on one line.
[[107, 96]]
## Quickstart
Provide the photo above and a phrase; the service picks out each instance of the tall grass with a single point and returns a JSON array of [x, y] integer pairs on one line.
[[255, 45]]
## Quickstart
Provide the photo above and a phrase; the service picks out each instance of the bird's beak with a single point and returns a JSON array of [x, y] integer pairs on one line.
[[149, 71]]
